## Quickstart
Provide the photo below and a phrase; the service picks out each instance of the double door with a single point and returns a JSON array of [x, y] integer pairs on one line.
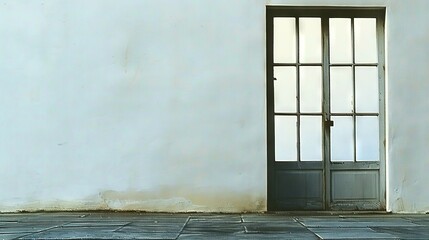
[[325, 109]]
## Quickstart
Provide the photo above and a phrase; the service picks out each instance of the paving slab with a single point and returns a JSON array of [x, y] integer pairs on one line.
[[10, 236], [150, 229], [138, 218], [283, 236], [420, 221], [96, 224], [266, 218], [352, 224], [24, 229], [217, 218], [96, 233], [213, 228], [421, 232], [274, 228], [350, 233], [129, 225], [199, 236], [11, 217], [7, 224], [280, 235]]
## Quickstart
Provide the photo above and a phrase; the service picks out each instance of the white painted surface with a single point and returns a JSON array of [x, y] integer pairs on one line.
[[160, 105], [408, 87], [154, 105]]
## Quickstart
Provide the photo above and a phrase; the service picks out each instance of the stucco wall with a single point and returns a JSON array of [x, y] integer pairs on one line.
[[150, 105], [160, 105], [408, 74]]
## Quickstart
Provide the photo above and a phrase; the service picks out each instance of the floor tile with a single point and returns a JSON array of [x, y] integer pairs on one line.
[[150, 229], [421, 232], [10, 236], [350, 233], [213, 227], [199, 236], [273, 228], [217, 218], [96, 224], [129, 225], [421, 222], [352, 224], [96, 233], [23, 229], [293, 235], [266, 218]]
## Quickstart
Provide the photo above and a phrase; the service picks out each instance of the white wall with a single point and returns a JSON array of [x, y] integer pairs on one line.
[[151, 105], [408, 74], [160, 105]]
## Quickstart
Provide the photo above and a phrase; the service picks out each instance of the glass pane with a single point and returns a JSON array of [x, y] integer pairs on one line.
[[284, 40], [367, 137], [365, 40], [341, 89], [285, 89], [310, 40], [367, 95], [285, 138], [342, 148], [310, 89], [340, 40], [311, 138]]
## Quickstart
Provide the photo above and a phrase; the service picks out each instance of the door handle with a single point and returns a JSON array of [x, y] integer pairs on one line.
[[329, 123]]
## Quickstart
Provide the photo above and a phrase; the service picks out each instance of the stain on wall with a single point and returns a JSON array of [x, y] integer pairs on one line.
[[167, 200]]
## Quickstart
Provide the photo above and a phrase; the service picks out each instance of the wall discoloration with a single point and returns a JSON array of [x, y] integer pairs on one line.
[[171, 200], [167, 200]]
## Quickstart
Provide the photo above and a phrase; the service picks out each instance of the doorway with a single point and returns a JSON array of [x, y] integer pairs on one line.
[[325, 108]]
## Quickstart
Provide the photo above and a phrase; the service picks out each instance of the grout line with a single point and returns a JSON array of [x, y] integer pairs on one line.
[[49, 228], [183, 227], [300, 223], [242, 224], [41, 231], [119, 228]]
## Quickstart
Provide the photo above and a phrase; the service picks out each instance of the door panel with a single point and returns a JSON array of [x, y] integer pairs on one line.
[[325, 111], [363, 182], [299, 189]]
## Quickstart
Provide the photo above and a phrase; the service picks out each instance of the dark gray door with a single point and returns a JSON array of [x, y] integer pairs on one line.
[[325, 103]]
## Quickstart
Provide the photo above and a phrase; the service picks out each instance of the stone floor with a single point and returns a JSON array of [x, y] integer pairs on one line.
[[127, 225]]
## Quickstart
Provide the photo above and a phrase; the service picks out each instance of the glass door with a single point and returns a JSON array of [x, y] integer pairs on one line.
[[325, 97]]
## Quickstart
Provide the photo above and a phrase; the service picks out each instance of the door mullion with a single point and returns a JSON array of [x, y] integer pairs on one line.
[[326, 113], [354, 87], [298, 97], [382, 108], [271, 184]]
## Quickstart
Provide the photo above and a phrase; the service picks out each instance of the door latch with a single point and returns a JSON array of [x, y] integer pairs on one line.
[[329, 123]]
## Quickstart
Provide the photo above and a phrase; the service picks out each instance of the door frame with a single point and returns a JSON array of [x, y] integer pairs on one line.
[[323, 13]]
